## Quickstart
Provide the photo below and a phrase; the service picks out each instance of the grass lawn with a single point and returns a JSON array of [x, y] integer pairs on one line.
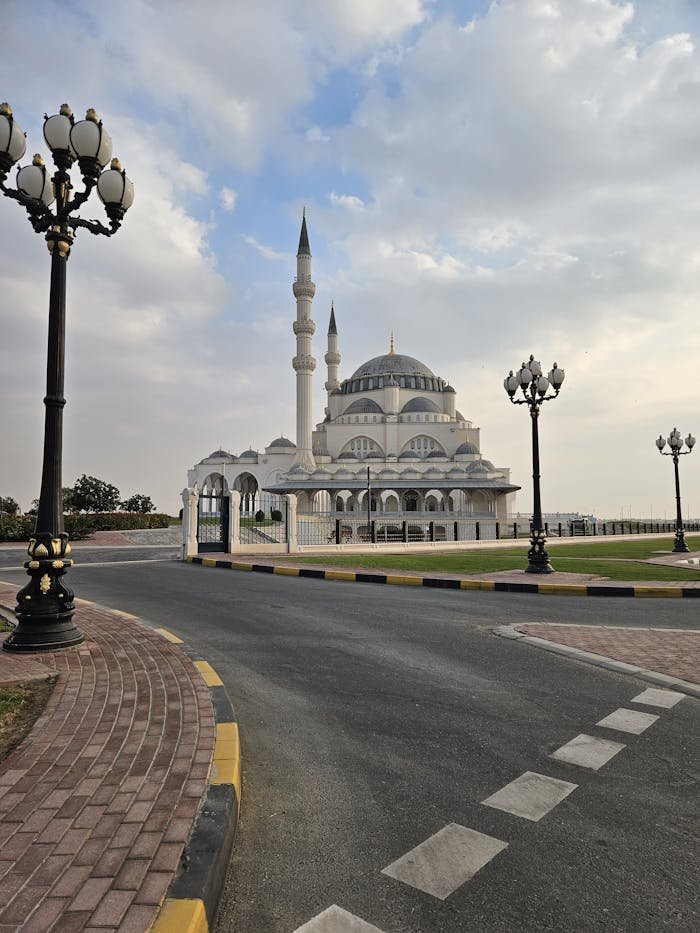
[[617, 560]]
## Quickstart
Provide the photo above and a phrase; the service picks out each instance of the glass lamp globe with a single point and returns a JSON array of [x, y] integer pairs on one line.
[[660, 442], [13, 143], [556, 376], [690, 441], [91, 143], [34, 182], [57, 131], [114, 188]]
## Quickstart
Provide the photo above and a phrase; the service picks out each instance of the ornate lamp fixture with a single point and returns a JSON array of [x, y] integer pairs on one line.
[[675, 442], [535, 385], [45, 605]]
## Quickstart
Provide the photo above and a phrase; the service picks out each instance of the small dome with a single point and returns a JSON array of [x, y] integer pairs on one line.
[[388, 472], [410, 472], [456, 471], [459, 416], [478, 467], [434, 454], [409, 455], [374, 455], [320, 474], [489, 466], [450, 389], [363, 406], [347, 455], [420, 404], [281, 442], [219, 455], [466, 448], [249, 455]]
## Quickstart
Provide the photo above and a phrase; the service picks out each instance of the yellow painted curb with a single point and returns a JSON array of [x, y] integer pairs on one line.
[[181, 916], [286, 571], [345, 575], [211, 678], [226, 766], [672, 592], [564, 589], [170, 636], [208, 562], [236, 565], [396, 580]]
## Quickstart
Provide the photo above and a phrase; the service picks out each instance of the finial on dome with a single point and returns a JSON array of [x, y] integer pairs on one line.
[[392, 351]]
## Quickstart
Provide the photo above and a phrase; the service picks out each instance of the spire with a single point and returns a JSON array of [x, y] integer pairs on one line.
[[392, 351], [332, 329], [304, 249]]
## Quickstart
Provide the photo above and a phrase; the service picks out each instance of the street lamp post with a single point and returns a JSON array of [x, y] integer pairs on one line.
[[675, 442], [535, 385], [45, 605]]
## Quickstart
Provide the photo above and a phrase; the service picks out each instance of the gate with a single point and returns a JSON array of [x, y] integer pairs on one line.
[[212, 523], [264, 520]]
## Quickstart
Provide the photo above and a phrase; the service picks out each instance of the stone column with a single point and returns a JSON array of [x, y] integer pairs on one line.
[[234, 521], [190, 508], [292, 545]]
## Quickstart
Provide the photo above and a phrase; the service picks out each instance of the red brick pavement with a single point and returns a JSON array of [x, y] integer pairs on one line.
[[98, 801], [675, 653]]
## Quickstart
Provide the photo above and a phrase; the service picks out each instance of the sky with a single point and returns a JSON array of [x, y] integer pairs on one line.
[[483, 179]]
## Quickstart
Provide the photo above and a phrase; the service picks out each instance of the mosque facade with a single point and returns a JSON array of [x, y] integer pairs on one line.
[[391, 431]]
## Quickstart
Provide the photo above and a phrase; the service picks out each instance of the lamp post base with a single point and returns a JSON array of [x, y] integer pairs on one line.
[[45, 605], [679, 545], [537, 556]]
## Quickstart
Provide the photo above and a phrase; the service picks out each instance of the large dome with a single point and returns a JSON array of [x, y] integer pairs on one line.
[[392, 363]]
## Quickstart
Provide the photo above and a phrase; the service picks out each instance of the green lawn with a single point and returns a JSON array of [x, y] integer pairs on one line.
[[617, 560]]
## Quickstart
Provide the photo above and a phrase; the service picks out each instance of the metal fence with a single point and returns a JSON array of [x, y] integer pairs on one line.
[[266, 521], [327, 529]]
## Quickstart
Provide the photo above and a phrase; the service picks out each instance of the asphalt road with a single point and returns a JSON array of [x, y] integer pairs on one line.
[[373, 717]]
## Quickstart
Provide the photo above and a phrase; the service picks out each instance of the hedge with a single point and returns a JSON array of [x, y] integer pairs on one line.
[[21, 527]]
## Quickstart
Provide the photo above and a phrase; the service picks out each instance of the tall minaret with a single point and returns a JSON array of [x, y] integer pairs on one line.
[[304, 363], [332, 358]]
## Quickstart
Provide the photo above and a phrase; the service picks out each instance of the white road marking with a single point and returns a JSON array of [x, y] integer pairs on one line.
[[588, 752], [531, 795], [337, 920], [442, 863], [654, 697], [628, 720]]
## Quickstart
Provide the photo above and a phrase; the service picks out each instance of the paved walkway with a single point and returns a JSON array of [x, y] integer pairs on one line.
[[98, 801]]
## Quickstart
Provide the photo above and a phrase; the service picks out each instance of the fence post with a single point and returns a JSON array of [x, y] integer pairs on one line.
[[292, 543], [456, 531], [337, 532], [498, 531], [515, 530], [478, 532], [190, 507], [431, 532], [404, 528]]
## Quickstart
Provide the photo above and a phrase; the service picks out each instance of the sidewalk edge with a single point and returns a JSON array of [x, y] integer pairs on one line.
[[598, 660]]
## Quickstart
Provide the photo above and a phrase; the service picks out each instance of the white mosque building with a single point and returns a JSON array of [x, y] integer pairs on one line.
[[393, 422]]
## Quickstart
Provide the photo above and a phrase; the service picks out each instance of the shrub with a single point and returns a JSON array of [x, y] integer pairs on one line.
[[16, 527], [276, 515], [260, 516]]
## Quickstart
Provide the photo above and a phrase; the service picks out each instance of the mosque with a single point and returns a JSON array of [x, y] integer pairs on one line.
[[391, 431]]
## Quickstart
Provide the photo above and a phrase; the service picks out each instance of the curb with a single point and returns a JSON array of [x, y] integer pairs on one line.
[[191, 903], [456, 583], [599, 660]]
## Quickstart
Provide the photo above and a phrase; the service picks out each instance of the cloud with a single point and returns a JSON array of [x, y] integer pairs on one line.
[[348, 201], [267, 252], [315, 134], [228, 198]]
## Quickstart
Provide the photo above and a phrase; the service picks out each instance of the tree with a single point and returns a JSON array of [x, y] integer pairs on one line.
[[138, 503], [91, 494], [9, 505]]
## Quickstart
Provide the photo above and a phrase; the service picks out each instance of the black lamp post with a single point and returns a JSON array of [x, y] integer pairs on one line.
[[676, 443], [535, 385], [45, 605]]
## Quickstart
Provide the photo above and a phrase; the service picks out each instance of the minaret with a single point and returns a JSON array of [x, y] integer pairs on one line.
[[332, 358], [304, 363]]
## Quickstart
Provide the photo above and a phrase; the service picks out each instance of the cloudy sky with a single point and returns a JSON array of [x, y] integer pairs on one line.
[[486, 180]]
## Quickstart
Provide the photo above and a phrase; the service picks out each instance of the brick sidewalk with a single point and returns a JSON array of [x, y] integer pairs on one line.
[[672, 652], [98, 801]]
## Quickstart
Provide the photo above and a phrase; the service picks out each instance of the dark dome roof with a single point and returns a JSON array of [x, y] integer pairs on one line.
[[218, 454], [248, 454], [281, 442], [420, 404], [478, 467], [436, 453], [363, 406], [466, 448], [391, 363], [374, 455], [409, 455], [450, 389]]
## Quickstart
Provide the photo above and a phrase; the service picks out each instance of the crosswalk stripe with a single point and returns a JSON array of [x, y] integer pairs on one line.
[[337, 920], [531, 795], [446, 860], [655, 697], [588, 752], [628, 720]]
